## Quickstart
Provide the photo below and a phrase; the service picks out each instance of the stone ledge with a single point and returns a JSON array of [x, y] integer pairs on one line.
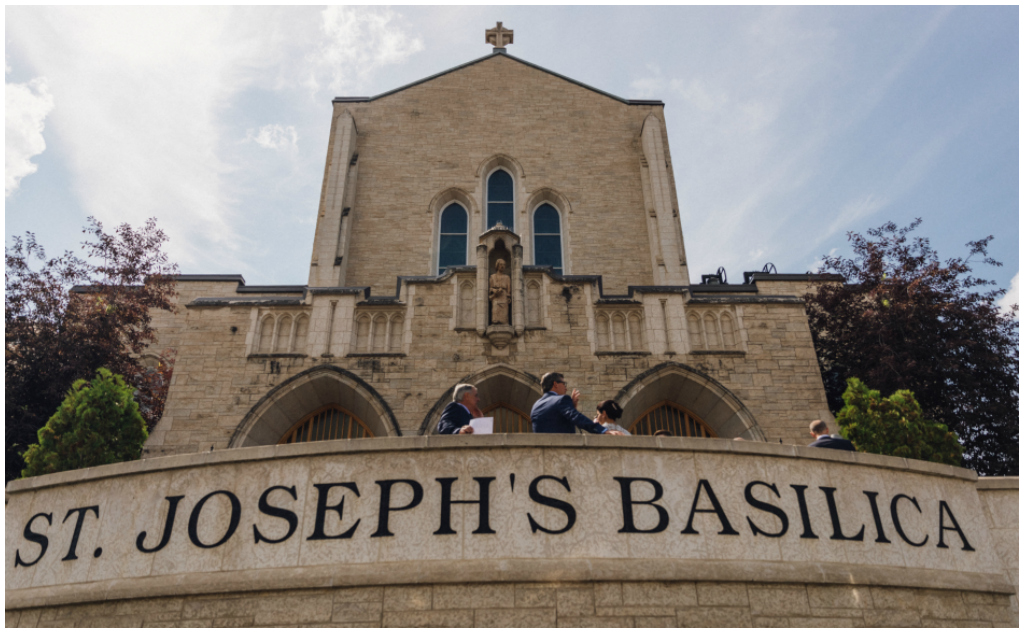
[[496, 441], [998, 483], [503, 571]]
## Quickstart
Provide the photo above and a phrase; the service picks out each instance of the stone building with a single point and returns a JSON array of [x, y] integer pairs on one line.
[[425, 188]]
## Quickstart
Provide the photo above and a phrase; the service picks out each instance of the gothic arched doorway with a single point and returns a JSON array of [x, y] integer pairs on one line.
[[696, 394], [501, 389], [298, 399], [508, 419], [672, 418], [326, 423]]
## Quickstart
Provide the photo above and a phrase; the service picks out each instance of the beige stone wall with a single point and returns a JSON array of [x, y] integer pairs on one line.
[[424, 140], [597, 604], [1000, 498], [118, 550], [218, 379]]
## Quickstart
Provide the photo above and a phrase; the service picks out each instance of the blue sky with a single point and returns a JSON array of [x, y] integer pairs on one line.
[[788, 126]]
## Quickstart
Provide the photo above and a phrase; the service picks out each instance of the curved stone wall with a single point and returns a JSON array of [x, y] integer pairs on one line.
[[499, 511]]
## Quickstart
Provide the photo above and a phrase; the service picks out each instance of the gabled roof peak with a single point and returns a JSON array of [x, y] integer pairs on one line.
[[502, 52]]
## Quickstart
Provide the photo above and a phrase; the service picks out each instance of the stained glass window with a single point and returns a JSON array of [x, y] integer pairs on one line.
[[500, 200], [547, 237], [452, 249]]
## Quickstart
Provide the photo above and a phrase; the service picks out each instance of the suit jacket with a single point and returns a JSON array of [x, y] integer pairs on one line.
[[556, 414], [828, 441], [454, 417]]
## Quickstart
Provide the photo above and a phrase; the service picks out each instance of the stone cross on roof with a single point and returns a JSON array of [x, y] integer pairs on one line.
[[499, 36]]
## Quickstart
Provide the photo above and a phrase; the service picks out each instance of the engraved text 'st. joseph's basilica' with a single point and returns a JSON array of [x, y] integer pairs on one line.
[[489, 224]]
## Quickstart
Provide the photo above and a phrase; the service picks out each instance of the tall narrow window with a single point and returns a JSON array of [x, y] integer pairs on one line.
[[452, 250], [500, 200], [547, 237]]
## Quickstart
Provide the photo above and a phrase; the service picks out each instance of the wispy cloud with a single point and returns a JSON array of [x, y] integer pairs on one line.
[[763, 119], [357, 41], [151, 131], [275, 137], [26, 107]]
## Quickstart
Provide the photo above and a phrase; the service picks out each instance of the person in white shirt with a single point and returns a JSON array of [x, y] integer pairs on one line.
[[607, 413]]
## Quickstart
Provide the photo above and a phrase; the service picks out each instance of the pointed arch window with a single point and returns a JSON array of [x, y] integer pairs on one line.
[[668, 416], [452, 247], [508, 419], [547, 237], [500, 200], [327, 423]]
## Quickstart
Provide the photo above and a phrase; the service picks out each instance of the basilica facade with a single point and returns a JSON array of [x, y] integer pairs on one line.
[[487, 225], [428, 191]]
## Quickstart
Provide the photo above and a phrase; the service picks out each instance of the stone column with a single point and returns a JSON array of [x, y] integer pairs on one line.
[[481, 289], [322, 269], [670, 269], [518, 292]]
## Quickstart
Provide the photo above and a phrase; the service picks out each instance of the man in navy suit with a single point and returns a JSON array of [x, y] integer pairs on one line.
[[823, 440], [456, 416], [556, 412]]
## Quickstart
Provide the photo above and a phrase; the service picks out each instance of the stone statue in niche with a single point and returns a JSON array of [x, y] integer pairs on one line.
[[500, 293]]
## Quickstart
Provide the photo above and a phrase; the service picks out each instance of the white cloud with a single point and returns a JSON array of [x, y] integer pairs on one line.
[[359, 40], [274, 136], [26, 107], [152, 131], [1012, 295]]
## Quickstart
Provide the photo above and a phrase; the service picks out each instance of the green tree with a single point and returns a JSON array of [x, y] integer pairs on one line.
[[894, 426], [98, 423], [905, 319], [65, 317]]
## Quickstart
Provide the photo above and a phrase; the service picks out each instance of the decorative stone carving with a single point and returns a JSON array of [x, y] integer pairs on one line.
[[712, 329], [620, 330], [500, 294]]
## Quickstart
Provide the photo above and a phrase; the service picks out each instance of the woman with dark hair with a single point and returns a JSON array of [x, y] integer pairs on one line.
[[607, 413]]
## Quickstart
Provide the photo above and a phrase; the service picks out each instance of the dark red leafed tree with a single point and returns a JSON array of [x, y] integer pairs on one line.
[[906, 320], [71, 316]]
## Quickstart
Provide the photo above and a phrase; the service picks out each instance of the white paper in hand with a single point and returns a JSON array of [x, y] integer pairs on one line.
[[482, 425]]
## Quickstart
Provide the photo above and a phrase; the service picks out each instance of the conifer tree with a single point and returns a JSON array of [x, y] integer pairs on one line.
[[894, 426], [98, 423]]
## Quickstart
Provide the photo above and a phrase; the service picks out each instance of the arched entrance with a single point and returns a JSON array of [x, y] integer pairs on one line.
[[503, 390], [681, 387], [673, 419], [327, 423], [508, 419], [303, 395]]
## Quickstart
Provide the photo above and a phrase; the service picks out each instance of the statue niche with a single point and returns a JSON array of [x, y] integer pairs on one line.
[[499, 293], [499, 287]]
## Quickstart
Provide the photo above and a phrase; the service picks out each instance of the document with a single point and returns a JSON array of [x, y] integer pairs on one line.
[[482, 425]]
